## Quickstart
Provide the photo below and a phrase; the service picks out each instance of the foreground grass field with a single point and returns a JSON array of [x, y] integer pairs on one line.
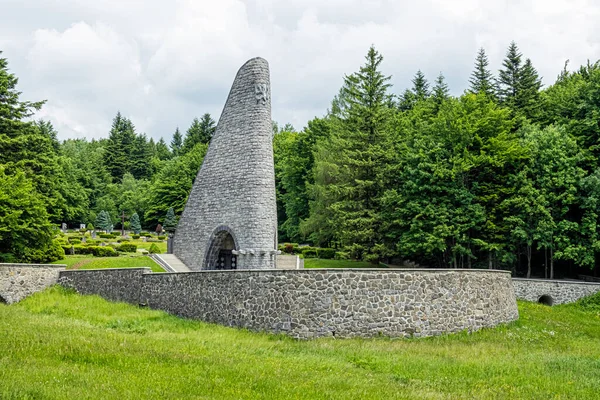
[[91, 262], [57, 345]]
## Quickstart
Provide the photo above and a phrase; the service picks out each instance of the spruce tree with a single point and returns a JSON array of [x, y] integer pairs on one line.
[[509, 77], [207, 128], [119, 147], [135, 224], [200, 131], [482, 80], [170, 222], [420, 86], [141, 155], [162, 150], [104, 222], [529, 85], [440, 91], [349, 177], [176, 143]]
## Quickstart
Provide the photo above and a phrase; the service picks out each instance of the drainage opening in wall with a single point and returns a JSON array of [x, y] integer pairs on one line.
[[546, 299]]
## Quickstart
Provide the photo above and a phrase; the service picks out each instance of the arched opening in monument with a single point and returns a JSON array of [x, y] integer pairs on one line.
[[546, 299], [220, 252]]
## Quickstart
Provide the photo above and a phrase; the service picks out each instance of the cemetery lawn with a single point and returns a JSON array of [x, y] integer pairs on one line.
[[60, 345], [322, 263], [123, 261]]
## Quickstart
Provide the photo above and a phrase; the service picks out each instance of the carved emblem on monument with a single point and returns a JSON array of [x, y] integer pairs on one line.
[[261, 91]]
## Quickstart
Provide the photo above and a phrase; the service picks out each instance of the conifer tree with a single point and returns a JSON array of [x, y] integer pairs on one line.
[[509, 77], [141, 155], [119, 147], [162, 150], [420, 86], [482, 80], [440, 91], [135, 224], [176, 143], [529, 85], [200, 131], [104, 222], [170, 222], [349, 164]]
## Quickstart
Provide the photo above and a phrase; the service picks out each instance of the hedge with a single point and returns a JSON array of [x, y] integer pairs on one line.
[[325, 253], [105, 251], [154, 249], [107, 235], [309, 252], [135, 236], [127, 248], [161, 237]]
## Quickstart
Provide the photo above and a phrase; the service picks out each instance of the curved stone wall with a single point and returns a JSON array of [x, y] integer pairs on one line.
[[18, 281], [317, 303], [553, 292]]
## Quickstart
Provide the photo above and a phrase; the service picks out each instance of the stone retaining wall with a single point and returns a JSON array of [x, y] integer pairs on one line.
[[553, 292], [18, 281], [315, 303], [118, 284]]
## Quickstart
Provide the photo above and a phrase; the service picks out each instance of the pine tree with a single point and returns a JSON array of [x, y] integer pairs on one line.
[[200, 131], [176, 143], [509, 77], [529, 85], [135, 224], [440, 91], [104, 222], [162, 150], [170, 222], [141, 155], [349, 165], [420, 86], [119, 147], [482, 80]]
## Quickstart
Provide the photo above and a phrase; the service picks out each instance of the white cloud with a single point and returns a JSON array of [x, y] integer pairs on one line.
[[162, 63]]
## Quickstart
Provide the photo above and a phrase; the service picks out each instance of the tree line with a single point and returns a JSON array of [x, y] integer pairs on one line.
[[506, 175]]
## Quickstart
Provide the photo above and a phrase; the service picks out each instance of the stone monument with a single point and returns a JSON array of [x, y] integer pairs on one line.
[[230, 219]]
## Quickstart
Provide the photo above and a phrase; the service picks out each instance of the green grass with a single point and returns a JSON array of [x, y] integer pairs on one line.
[[320, 263], [124, 261], [57, 345]]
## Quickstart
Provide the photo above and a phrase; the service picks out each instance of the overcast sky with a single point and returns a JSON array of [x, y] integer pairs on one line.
[[161, 63]]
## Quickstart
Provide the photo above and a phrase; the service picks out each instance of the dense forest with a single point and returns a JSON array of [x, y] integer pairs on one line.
[[507, 175]]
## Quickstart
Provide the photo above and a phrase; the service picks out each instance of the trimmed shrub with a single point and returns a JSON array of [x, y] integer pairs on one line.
[[162, 237], [107, 235], [154, 249], [135, 236], [326, 253], [145, 233], [106, 251], [74, 241], [122, 240], [127, 248], [309, 252]]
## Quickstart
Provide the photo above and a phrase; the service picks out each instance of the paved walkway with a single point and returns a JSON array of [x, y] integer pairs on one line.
[[173, 264]]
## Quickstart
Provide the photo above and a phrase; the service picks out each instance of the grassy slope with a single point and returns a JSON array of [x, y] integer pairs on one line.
[[58, 345], [91, 262]]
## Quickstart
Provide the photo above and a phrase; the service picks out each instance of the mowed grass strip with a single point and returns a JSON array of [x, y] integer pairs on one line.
[[82, 262], [58, 344]]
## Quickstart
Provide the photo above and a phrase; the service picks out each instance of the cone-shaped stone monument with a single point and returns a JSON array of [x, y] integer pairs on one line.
[[230, 219]]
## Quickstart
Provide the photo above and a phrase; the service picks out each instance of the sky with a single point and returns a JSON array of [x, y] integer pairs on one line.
[[162, 63]]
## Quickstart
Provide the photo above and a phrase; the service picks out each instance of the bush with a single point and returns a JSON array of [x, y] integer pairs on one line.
[[127, 248], [106, 251], [107, 235], [52, 252], [145, 233], [162, 237], [122, 240], [342, 255], [74, 241], [325, 253], [154, 249], [135, 236], [309, 252]]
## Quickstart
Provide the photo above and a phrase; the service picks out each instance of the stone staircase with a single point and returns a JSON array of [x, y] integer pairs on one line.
[[170, 262]]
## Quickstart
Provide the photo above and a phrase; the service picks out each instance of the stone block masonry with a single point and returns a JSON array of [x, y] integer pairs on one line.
[[118, 284], [553, 292], [18, 281], [319, 303], [230, 219]]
